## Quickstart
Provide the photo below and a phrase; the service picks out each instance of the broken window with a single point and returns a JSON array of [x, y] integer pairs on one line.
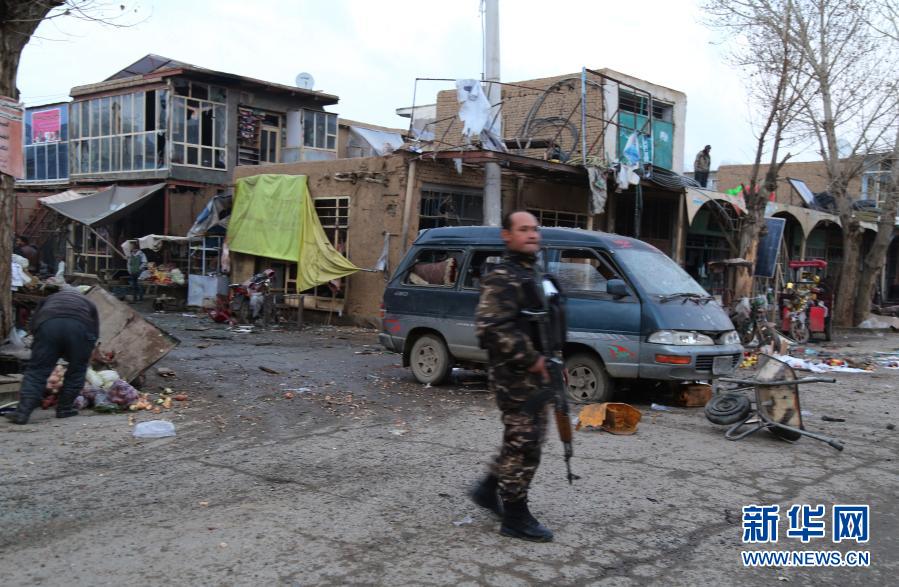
[[334, 215], [450, 206], [199, 125], [435, 268], [120, 133]]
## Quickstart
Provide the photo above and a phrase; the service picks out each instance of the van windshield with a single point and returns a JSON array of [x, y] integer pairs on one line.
[[656, 273]]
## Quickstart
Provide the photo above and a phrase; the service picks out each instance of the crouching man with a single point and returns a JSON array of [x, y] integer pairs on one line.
[[66, 326]]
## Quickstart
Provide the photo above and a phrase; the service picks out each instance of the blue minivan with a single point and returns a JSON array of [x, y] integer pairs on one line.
[[633, 313]]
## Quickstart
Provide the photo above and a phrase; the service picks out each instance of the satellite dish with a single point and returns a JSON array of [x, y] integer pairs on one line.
[[305, 81]]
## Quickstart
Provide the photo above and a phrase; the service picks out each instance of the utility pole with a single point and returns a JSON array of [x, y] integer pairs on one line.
[[493, 209]]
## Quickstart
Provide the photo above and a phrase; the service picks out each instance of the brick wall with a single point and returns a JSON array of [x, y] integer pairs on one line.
[[813, 173], [518, 101]]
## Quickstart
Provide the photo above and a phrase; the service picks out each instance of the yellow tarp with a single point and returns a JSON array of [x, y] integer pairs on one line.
[[273, 216]]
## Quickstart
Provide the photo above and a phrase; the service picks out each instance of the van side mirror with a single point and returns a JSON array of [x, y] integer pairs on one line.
[[617, 288]]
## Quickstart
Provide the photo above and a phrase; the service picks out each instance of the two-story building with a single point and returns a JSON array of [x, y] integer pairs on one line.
[[173, 132]]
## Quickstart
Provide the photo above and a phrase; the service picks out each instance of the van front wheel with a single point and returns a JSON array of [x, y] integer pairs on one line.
[[588, 381], [430, 359]]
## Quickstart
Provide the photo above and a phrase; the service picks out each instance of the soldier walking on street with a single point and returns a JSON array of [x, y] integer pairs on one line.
[[516, 371]]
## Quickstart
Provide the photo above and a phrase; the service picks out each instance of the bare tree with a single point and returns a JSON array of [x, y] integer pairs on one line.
[[886, 225], [18, 21], [854, 102], [758, 32]]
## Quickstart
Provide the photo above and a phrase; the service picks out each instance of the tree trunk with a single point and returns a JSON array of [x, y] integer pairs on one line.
[[876, 258], [18, 21], [849, 273]]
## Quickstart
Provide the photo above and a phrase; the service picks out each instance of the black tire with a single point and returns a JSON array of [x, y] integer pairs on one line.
[[430, 360], [828, 328], [588, 381], [727, 408]]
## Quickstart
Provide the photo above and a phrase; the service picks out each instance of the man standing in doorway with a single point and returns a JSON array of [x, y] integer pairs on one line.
[[701, 166], [516, 370], [137, 262]]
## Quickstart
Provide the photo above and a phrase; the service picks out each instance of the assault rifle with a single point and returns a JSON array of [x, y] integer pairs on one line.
[[551, 344]]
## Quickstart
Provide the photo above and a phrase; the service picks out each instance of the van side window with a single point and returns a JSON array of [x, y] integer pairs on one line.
[[480, 264], [581, 270], [435, 268]]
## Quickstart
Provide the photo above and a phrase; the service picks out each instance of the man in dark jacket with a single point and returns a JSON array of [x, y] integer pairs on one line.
[[66, 326], [516, 370]]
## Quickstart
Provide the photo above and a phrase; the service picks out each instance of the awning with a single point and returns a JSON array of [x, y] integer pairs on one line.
[[103, 207], [696, 198], [382, 142], [66, 196]]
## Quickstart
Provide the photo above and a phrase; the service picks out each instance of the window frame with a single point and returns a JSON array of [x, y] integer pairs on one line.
[[602, 259], [580, 220], [445, 286], [469, 263], [429, 192], [201, 95], [92, 154], [328, 134], [51, 151]]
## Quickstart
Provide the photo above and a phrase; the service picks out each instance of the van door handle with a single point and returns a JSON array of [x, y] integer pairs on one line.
[[401, 293]]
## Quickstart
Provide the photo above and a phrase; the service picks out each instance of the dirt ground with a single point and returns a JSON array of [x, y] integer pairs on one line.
[[361, 478]]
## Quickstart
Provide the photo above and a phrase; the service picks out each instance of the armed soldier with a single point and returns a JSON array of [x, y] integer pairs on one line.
[[517, 370]]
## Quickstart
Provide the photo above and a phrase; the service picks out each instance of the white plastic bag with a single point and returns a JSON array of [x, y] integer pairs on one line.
[[154, 429], [108, 377], [92, 378]]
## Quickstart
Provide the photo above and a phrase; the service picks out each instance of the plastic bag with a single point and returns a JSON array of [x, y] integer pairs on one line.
[[102, 404], [92, 378], [154, 429], [122, 394], [107, 377]]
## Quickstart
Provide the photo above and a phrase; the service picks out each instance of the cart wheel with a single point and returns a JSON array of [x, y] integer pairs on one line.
[[727, 408]]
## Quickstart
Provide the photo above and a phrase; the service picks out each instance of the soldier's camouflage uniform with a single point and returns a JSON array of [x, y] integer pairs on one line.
[[512, 345]]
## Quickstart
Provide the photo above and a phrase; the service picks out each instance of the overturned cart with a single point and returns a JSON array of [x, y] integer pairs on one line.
[[777, 409]]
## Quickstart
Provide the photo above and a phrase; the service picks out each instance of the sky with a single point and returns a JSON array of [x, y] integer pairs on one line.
[[370, 52]]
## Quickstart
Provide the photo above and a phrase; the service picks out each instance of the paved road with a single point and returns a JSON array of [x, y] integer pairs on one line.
[[359, 480]]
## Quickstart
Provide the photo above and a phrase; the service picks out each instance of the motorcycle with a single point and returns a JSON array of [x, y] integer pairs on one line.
[[750, 318], [251, 299]]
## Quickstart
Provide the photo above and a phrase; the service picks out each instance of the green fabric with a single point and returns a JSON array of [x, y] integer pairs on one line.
[[273, 216]]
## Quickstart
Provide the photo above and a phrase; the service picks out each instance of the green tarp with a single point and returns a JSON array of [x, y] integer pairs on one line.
[[273, 216]]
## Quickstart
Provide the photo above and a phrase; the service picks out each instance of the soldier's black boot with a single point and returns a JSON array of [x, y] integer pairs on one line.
[[519, 523], [23, 411], [485, 495]]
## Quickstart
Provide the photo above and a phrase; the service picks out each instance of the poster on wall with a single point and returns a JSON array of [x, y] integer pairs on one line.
[[46, 126], [11, 160]]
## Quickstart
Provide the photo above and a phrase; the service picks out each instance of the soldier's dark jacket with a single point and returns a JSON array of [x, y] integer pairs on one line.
[[508, 337], [512, 346]]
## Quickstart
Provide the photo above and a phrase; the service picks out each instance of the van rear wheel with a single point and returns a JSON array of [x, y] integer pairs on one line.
[[588, 381], [430, 359]]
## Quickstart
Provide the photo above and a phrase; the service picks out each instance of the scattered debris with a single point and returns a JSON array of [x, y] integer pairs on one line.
[[616, 418], [832, 419], [165, 372], [154, 429], [464, 521], [269, 370], [288, 395], [660, 408]]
